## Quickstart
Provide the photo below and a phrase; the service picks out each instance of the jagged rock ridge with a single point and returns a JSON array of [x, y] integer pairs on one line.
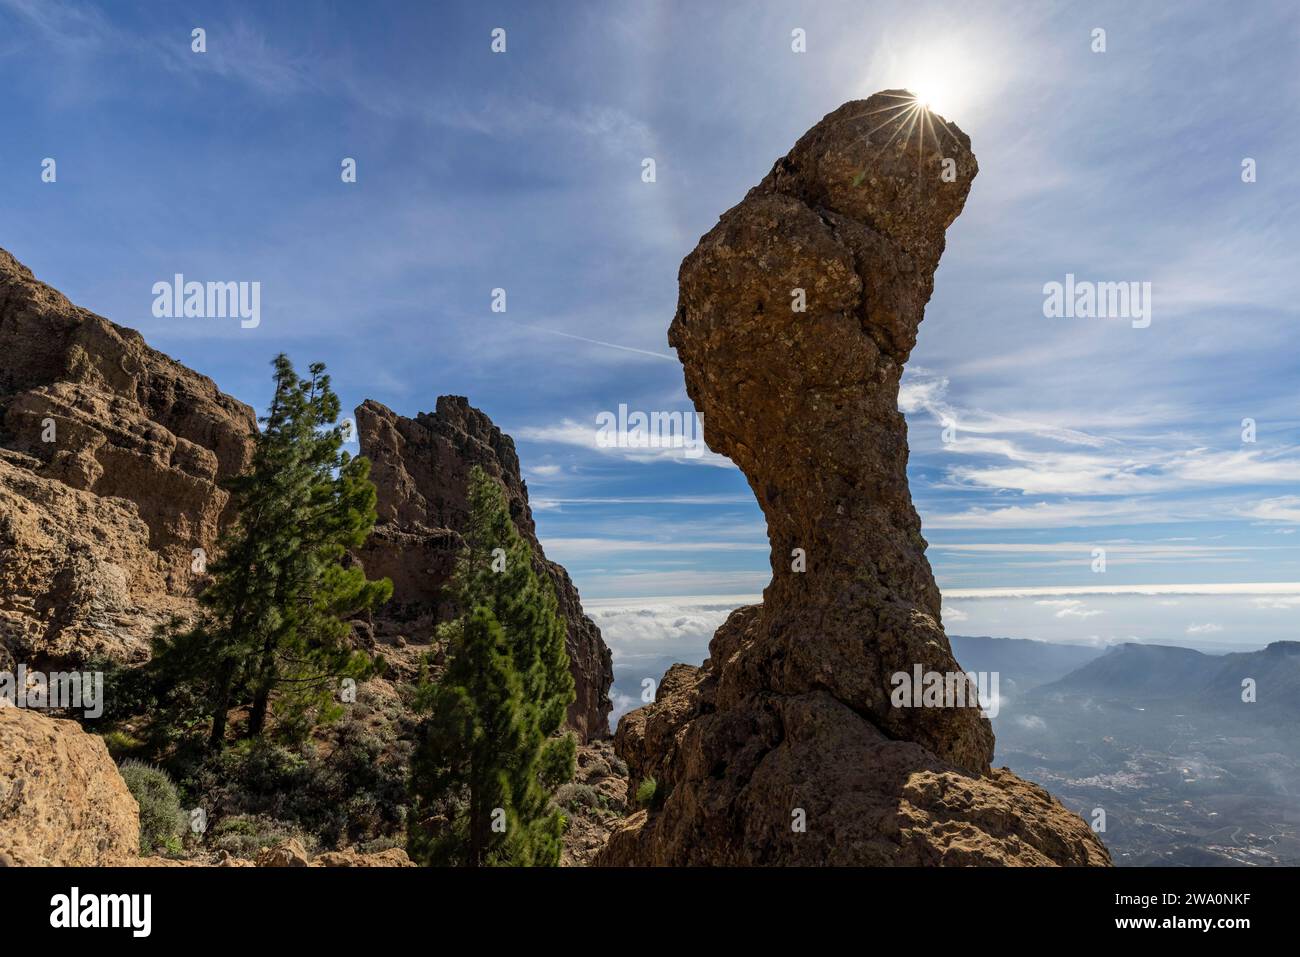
[[785, 748], [421, 469], [111, 459]]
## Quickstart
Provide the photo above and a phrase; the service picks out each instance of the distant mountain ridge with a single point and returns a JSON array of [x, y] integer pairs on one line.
[[1188, 773], [1024, 662], [1185, 678]]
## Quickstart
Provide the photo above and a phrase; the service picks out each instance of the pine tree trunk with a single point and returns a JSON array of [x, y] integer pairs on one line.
[[217, 739], [262, 696], [257, 717], [475, 822]]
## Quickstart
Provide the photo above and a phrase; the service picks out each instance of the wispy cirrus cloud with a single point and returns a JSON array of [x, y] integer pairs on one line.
[[1072, 462], [1285, 509], [605, 546], [236, 49], [77, 29], [578, 435], [1208, 588], [239, 52]]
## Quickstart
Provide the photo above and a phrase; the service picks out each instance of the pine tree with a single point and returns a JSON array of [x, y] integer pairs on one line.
[[475, 723], [498, 737], [272, 621]]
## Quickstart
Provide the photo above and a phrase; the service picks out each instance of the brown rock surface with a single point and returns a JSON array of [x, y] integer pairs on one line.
[[288, 853], [421, 469], [99, 525], [62, 800], [792, 710], [351, 857], [291, 853]]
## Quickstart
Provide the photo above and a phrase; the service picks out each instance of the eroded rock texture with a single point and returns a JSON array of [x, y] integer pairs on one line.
[[62, 800], [421, 469], [111, 459], [792, 712]]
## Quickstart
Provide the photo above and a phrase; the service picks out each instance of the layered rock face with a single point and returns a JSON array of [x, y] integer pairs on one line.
[[421, 468], [785, 747], [111, 455], [62, 801]]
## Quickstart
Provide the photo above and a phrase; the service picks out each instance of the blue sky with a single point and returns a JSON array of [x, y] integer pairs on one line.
[[522, 171]]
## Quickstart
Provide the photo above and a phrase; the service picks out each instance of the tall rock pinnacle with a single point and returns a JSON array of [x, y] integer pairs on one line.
[[421, 469], [795, 316]]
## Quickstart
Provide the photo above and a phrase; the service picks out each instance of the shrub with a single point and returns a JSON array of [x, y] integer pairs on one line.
[[574, 796], [121, 744], [162, 822], [381, 844], [245, 835], [353, 792], [645, 792]]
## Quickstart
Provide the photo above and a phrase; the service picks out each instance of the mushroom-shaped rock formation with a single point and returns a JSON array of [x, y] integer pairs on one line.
[[795, 316]]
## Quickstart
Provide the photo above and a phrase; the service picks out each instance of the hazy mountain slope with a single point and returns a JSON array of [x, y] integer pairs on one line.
[[1161, 675], [1023, 661]]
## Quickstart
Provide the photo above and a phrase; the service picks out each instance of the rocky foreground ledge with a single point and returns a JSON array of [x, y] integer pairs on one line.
[[62, 800], [784, 747], [63, 803]]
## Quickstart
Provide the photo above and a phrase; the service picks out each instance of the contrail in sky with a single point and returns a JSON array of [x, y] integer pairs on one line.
[[594, 342]]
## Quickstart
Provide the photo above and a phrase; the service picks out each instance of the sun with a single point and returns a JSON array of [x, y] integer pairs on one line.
[[933, 92], [936, 87], [941, 75]]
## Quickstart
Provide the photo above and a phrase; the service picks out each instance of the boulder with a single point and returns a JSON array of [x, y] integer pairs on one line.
[[288, 853], [350, 857], [62, 800]]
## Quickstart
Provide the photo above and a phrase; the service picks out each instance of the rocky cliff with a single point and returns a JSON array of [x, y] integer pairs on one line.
[[785, 747], [111, 459], [421, 469]]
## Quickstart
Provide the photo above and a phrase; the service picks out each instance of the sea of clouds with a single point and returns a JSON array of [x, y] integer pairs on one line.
[[647, 635]]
